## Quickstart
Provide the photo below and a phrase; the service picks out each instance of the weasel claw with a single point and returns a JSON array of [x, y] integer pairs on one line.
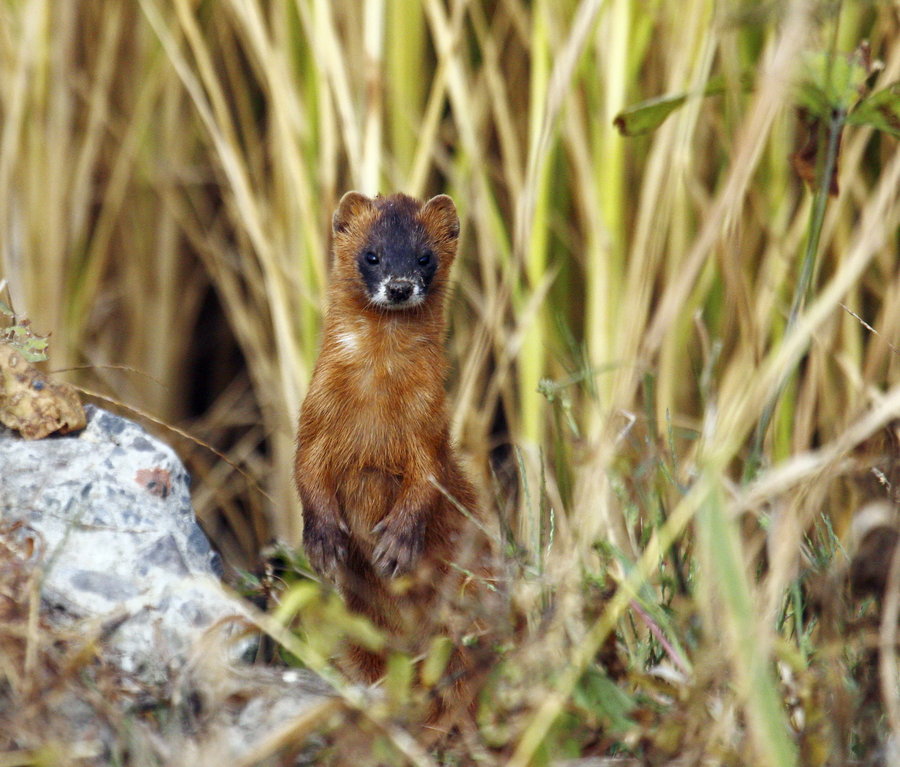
[[326, 545], [400, 546]]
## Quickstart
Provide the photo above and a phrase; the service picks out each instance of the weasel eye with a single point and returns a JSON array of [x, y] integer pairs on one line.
[[372, 258], [425, 259]]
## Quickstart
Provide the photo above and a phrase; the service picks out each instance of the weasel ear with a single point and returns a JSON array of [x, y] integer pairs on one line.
[[350, 206], [439, 214]]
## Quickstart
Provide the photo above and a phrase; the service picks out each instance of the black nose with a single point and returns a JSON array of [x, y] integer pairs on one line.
[[399, 291]]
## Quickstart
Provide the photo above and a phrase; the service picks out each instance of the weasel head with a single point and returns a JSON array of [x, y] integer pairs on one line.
[[395, 250]]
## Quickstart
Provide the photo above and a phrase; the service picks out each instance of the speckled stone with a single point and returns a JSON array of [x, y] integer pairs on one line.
[[110, 512]]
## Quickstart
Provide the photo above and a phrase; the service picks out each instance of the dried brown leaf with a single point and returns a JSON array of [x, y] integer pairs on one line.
[[31, 403]]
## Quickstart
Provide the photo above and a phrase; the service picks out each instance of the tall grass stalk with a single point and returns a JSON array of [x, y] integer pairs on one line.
[[606, 217], [829, 139], [731, 600]]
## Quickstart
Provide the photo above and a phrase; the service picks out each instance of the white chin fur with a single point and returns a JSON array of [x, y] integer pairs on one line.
[[380, 297]]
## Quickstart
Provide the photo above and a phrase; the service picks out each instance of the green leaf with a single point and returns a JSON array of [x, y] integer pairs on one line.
[[32, 355], [35, 343], [34, 349], [436, 660], [598, 694], [833, 82], [6, 309], [881, 110], [295, 599], [399, 678], [647, 116]]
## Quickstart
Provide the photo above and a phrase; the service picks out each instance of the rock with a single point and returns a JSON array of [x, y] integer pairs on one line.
[[130, 597], [111, 512], [278, 708]]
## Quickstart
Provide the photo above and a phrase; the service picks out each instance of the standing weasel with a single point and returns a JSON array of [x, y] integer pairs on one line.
[[378, 477]]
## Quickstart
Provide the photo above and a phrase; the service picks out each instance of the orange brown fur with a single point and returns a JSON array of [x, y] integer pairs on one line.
[[375, 467]]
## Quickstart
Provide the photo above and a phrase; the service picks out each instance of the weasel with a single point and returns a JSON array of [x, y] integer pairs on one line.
[[382, 489]]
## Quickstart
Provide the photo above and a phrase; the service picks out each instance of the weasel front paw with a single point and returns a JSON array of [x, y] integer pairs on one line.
[[401, 540], [325, 541]]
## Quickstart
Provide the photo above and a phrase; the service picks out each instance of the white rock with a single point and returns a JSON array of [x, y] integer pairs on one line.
[[110, 508]]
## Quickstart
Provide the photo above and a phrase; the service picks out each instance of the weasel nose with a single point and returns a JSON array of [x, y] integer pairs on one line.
[[399, 291]]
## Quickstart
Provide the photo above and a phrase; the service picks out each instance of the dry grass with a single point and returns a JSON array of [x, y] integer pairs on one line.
[[167, 174]]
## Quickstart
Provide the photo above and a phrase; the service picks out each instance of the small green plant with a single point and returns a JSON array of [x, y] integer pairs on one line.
[[19, 334]]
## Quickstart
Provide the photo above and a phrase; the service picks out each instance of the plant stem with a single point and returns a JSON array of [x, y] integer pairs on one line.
[[804, 283]]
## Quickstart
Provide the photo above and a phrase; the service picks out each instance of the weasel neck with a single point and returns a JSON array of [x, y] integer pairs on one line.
[[426, 320]]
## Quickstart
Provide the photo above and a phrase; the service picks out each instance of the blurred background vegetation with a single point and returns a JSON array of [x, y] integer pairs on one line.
[[650, 334]]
